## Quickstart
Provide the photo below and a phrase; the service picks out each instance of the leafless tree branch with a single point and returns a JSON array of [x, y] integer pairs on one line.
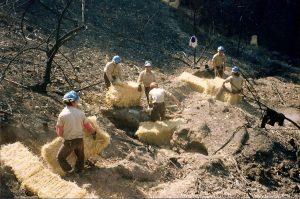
[[63, 72], [69, 62]]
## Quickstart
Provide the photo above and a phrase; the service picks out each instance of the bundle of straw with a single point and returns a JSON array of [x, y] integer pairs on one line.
[[46, 184], [34, 177], [209, 86], [123, 94], [21, 160], [91, 147], [196, 83], [159, 132]]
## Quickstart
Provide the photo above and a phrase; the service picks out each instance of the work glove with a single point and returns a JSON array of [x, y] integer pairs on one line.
[[140, 88], [94, 135]]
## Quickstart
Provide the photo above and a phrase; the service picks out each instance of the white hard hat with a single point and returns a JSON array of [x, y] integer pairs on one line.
[[148, 63], [221, 48]]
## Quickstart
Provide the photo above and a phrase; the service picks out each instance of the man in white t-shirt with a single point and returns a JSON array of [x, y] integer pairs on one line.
[[236, 83], [157, 102]]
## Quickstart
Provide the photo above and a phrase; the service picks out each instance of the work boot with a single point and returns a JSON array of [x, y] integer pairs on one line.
[[69, 173]]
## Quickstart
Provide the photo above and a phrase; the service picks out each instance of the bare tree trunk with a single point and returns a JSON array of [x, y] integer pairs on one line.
[[82, 11], [41, 87]]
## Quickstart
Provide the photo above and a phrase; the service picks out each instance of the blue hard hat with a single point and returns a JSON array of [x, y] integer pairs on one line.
[[221, 48], [235, 69], [71, 96], [117, 59]]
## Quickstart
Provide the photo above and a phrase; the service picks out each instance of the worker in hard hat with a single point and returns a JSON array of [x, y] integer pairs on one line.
[[236, 83], [219, 62], [113, 71], [145, 78], [69, 126], [157, 102]]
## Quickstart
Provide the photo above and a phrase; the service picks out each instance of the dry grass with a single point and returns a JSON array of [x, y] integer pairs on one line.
[[91, 147], [159, 132], [210, 87], [123, 94]]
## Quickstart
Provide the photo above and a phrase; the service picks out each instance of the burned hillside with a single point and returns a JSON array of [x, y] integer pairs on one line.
[[206, 147]]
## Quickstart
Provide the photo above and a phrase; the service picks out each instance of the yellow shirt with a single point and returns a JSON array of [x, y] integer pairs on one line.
[[146, 78], [236, 82], [113, 70], [218, 60]]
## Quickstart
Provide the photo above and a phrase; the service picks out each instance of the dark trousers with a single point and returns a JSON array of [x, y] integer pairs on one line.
[[66, 149], [106, 80], [147, 90], [219, 71], [158, 112]]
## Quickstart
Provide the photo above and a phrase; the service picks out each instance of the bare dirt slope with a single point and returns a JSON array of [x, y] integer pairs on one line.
[[220, 151]]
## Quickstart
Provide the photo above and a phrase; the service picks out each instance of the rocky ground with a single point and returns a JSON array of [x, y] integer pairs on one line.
[[220, 151]]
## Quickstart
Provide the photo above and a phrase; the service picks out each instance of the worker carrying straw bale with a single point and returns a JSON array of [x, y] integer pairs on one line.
[[92, 147], [113, 71], [157, 102], [210, 87], [145, 78], [69, 127], [236, 83]]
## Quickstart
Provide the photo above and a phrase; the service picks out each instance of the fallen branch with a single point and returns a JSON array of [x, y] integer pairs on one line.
[[149, 20], [184, 54], [277, 92], [292, 122], [242, 176], [232, 136], [80, 89], [16, 83], [179, 59], [126, 140]]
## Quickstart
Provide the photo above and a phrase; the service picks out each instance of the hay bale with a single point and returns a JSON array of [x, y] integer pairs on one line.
[[91, 147], [95, 147], [210, 87], [232, 98], [159, 132], [46, 184], [49, 152], [34, 177], [21, 160], [173, 3], [196, 83], [123, 94]]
